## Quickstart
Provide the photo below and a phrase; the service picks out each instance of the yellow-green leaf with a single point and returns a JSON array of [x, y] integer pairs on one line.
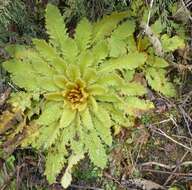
[[134, 89], [50, 113], [67, 178], [130, 61], [83, 34], [172, 43], [68, 115]]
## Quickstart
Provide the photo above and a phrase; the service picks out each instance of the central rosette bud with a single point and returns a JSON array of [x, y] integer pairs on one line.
[[76, 95]]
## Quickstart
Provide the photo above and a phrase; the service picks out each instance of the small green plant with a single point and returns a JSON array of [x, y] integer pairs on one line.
[[75, 9], [75, 89], [6, 170], [14, 20], [146, 119]]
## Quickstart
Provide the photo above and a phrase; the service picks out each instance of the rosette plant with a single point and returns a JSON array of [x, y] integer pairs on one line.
[[74, 89]]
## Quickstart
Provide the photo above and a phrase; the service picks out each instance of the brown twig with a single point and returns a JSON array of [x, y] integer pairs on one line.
[[112, 178], [159, 131], [186, 118], [166, 166], [10, 177], [4, 96], [187, 98], [139, 183], [153, 39], [166, 172], [170, 177], [84, 187], [149, 15], [157, 164], [7, 181], [187, 11]]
